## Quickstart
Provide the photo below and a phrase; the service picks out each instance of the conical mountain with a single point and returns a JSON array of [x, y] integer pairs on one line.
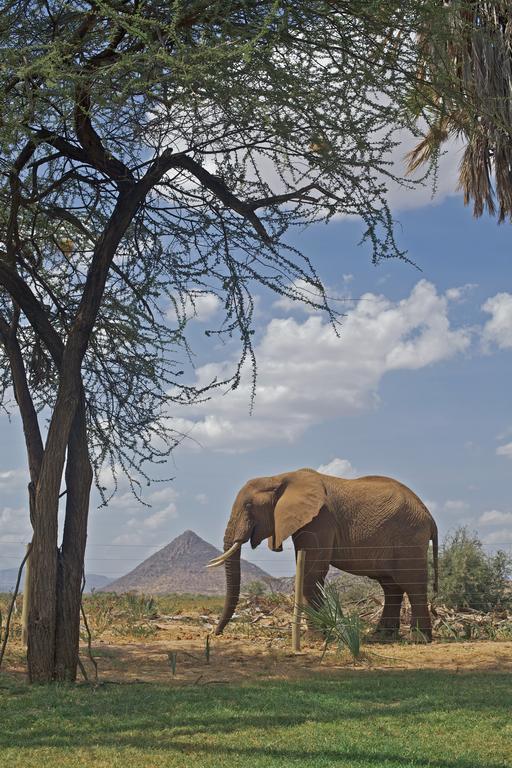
[[181, 567]]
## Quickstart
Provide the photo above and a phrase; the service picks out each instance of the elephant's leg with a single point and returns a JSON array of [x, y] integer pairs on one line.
[[389, 625], [421, 626], [315, 569]]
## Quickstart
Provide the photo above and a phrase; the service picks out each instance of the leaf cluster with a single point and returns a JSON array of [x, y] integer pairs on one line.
[[472, 578], [236, 120]]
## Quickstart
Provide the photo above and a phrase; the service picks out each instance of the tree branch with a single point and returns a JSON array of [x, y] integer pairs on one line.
[[33, 439], [221, 191], [265, 202], [96, 153], [33, 310]]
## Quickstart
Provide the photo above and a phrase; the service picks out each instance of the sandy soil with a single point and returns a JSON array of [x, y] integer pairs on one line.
[[235, 660], [258, 647]]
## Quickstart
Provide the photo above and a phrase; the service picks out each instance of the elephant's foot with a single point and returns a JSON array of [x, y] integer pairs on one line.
[[384, 635], [420, 636]]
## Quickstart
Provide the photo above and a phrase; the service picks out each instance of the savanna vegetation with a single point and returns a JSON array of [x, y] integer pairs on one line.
[[244, 697], [473, 577]]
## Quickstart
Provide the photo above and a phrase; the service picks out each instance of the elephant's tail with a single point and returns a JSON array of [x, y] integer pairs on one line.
[[433, 537]]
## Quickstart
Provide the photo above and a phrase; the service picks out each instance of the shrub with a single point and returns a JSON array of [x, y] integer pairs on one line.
[[255, 588], [470, 577], [126, 613]]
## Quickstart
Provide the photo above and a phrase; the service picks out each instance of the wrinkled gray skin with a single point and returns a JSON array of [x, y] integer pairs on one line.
[[370, 526]]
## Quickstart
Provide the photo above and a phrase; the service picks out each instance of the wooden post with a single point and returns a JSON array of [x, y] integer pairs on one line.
[[297, 606], [26, 600]]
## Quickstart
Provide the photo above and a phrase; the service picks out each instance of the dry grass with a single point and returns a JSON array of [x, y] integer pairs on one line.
[[133, 639]]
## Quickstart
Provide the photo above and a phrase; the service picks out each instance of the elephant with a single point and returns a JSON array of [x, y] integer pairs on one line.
[[370, 526]]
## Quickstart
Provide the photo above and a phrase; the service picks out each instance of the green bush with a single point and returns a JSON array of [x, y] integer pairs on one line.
[[472, 578], [255, 588]]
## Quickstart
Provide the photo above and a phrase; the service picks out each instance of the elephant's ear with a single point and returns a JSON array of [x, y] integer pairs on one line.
[[301, 500]]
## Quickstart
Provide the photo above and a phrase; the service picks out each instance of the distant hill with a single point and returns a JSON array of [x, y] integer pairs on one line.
[[93, 581], [180, 567], [9, 576]]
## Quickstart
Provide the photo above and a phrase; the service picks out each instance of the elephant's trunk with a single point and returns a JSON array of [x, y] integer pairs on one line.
[[232, 566]]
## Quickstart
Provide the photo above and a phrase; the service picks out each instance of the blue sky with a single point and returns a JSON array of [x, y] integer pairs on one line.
[[417, 387]]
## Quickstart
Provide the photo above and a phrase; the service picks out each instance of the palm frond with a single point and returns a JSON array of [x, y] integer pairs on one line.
[[472, 62]]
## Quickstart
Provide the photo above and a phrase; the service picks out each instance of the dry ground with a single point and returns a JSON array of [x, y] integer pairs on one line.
[[255, 647]]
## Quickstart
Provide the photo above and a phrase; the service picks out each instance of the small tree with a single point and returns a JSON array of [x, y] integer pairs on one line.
[[471, 578], [255, 588]]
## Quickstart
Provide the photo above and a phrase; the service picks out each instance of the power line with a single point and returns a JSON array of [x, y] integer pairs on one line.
[[285, 548]]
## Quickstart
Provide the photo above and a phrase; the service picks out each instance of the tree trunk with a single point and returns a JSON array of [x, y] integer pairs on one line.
[[71, 557], [43, 609]]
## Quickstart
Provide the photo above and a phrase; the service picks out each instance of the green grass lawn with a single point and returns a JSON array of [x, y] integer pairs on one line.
[[368, 719]]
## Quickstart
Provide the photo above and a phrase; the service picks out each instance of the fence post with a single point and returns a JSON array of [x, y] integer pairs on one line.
[[26, 600], [297, 605]]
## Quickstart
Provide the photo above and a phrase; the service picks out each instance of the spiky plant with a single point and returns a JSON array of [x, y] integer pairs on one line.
[[328, 618]]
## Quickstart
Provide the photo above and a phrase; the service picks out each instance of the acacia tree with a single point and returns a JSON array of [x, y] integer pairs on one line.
[[152, 152]]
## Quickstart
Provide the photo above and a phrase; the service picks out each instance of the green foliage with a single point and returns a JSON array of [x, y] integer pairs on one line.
[[255, 588], [379, 719], [328, 618], [471, 577], [240, 120]]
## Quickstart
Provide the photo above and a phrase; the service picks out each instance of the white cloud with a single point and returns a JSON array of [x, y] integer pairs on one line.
[[403, 198], [148, 528], [338, 467], [14, 524], [456, 505], [505, 450], [495, 517], [201, 498], [461, 292], [307, 374], [13, 479], [498, 330], [142, 523], [130, 539], [200, 307], [498, 538], [157, 519], [305, 292]]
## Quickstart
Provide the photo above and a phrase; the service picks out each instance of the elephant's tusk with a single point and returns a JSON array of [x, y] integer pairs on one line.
[[225, 555]]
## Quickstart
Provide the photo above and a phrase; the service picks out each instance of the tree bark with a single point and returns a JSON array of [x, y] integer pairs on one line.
[[43, 610], [72, 554]]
